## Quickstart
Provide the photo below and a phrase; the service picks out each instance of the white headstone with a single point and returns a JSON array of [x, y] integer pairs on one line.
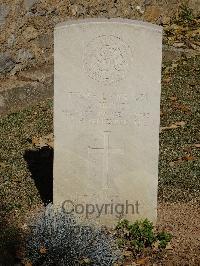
[[106, 118]]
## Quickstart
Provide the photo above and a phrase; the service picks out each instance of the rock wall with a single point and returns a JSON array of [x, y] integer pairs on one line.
[[26, 39]]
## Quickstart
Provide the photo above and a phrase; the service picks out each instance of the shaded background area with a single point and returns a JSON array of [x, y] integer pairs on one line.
[[25, 173], [10, 239], [40, 165]]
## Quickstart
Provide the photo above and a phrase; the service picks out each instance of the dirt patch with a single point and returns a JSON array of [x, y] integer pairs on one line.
[[182, 220]]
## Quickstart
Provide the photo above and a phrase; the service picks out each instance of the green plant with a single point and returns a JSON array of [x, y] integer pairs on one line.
[[164, 238], [140, 235], [186, 14]]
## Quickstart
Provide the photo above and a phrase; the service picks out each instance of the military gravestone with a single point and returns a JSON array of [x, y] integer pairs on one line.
[[106, 118]]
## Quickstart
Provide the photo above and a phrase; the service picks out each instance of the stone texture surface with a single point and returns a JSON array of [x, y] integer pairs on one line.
[[29, 88], [6, 63], [29, 3], [107, 109], [24, 55], [4, 10], [29, 24]]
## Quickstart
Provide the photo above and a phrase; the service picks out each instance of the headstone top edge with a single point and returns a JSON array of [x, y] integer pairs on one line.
[[138, 23]]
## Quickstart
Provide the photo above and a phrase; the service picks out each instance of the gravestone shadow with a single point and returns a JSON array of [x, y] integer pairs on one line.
[[40, 164], [10, 238]]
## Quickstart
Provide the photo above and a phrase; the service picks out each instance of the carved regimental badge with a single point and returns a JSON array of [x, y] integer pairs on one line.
[[107, 59]]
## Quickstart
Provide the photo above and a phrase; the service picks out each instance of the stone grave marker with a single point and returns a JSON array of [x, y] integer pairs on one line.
[[106, 118]]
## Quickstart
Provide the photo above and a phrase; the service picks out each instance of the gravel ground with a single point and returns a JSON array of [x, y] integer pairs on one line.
[[179, 167], [182, 220]]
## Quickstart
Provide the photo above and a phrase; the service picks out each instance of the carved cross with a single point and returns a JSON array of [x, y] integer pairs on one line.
[[106, 150]]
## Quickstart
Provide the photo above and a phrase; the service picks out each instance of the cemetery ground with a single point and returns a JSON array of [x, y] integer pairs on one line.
[[26, 164], [27, 156]]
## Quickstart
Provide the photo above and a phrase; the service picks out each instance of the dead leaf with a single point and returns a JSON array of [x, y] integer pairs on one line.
[[181, 160], [156, 245], [166, 20], [172, 164], [177, 161], [129, 263], [152, 13], [173, 27], [187, 149], [2, 165], [35, 141], [28, 264], [173, 98], [197, 43], [128, 253], [167, 80], [164, 128], [43, 250], [181, 107], [197, 145], [45, 141], [178, 44], [49, 140], [188, 158], [38, 142], [173, 126], [181, 124], [194, 46], [174, 65], [169, 247], [85, 261], [142, 261]]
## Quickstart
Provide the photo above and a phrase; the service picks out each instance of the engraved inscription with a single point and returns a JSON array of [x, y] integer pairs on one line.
[[107, 59], [105, 109], [94, 109]]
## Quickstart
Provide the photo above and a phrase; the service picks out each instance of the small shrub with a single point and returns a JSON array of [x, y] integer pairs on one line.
[[56, 238], [186, 14], [140, 235], [164, 238]]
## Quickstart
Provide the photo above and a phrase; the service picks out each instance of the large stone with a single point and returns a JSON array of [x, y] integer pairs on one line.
[[29, 3], [4, 10], [6, 63], [28, 89], [11, 40], [107, 109], [24, 55], [45, 41], [30, 33]]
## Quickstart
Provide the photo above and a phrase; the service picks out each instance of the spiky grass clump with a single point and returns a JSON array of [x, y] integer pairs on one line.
[[56, 238]]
